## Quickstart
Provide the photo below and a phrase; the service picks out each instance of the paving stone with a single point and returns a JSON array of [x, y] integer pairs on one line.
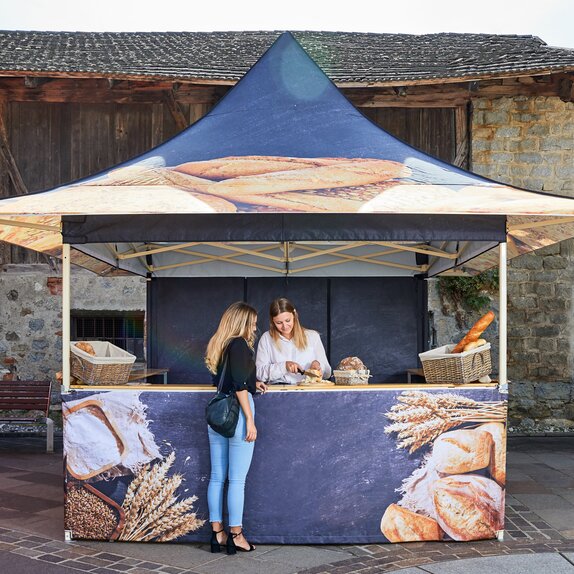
[[513, 564], [78, 565]]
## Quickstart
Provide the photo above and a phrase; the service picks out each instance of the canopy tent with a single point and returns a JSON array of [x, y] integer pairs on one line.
[[285, 176]]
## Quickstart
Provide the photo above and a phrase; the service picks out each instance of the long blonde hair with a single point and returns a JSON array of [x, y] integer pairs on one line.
[[283, 305], [235, 322]]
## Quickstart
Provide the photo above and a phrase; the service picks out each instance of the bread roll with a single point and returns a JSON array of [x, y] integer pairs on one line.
[[497, 466], [469, 507], [401, 525], [474, 345], [475, 332], [86, 347], [461, 451]]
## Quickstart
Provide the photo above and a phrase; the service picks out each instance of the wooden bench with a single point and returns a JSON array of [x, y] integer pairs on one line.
[[30, 397]]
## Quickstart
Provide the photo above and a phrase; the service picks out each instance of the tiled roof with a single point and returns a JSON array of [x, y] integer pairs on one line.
[[225, 56]]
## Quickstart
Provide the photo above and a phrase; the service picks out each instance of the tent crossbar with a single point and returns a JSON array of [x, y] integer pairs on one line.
[[206, 258], [333, 250], [129, 254], [29, 225], [244, 251], [143, 259], [209, 260], [364, 258], [424, 249], [543, 223]]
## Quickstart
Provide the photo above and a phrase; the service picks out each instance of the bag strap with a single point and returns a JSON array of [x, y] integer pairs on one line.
[[223, 370]]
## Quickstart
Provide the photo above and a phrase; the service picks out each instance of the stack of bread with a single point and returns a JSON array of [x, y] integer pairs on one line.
[[459, 491]]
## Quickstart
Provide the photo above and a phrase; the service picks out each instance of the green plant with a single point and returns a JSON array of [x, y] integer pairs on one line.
[[469, 294]]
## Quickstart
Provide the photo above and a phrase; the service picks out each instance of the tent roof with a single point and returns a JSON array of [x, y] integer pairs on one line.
[[285, 141]]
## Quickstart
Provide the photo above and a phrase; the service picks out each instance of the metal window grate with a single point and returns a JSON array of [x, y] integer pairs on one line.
[[125, 330]]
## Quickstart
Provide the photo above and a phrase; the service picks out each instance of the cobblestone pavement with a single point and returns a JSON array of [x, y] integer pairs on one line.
[[539, 516]]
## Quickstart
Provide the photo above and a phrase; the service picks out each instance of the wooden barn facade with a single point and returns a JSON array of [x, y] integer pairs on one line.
[[72, 104]]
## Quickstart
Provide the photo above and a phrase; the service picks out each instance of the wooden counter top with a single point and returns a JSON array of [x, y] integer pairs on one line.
[[288, 388]]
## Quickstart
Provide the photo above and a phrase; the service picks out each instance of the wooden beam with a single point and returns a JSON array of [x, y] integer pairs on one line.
[[175, 111], [566, 92], [7, 158], [461, 128], [98, 90], [35, 81]]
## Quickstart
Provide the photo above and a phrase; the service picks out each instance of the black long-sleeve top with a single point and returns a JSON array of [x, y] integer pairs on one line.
[[240, 374]]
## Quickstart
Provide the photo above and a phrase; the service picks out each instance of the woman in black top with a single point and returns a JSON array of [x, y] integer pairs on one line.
[[231, 457]]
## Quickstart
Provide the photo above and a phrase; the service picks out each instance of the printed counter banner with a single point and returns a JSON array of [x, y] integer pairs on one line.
[[331, 466]]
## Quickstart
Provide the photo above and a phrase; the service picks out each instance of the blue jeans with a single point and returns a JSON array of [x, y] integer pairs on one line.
[[230, 457]]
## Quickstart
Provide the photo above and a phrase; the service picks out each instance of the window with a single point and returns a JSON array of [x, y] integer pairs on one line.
[[123, 329]]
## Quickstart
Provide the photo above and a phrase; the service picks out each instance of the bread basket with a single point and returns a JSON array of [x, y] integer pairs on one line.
[[109, 366], [441, 366], [352, 377]]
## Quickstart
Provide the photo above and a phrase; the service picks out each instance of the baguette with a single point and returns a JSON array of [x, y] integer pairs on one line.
[[475, 332], [343, 174]]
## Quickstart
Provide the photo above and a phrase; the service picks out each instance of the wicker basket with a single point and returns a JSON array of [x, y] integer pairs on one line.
[[441, 366], [353, 377], [109, 366]]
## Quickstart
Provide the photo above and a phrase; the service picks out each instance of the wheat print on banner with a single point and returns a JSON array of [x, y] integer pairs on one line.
[[458, 490]]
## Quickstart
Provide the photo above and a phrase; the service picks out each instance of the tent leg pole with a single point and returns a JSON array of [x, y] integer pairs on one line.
[[502, 328], [65, 318]]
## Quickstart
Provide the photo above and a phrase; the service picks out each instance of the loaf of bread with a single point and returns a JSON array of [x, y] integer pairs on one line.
[[86, 347], [469, 506], [401, 525], [351, 364], [462, 450], [475, 332], [497, 466], [474, 345]]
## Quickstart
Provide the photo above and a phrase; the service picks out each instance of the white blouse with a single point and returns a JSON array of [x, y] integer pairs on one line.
[[271, 358]]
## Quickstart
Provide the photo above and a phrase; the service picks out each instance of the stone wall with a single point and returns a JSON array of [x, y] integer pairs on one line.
[[31, 313], [529, 142]]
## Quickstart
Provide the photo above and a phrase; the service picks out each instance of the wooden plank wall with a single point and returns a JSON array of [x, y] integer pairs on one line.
[[56, 143]]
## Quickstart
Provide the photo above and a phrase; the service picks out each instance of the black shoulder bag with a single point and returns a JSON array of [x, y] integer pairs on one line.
[[222, 411]]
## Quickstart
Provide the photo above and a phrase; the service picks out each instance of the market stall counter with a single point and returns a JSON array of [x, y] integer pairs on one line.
[[332, 464]]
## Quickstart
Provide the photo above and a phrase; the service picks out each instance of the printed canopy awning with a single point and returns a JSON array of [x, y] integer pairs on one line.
[[284, 175]]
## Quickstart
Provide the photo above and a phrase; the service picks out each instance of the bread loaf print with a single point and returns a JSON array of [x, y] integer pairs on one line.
[[401, 525], [497, 466], [469, 506], [462, 450]]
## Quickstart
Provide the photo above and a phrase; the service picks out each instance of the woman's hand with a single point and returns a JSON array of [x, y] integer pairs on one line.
[[251, 431], [316, 366], [261, 387], [292, 367]]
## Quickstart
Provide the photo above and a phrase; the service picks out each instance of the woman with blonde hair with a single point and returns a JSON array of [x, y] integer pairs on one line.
[[287, 350], [230, 354]]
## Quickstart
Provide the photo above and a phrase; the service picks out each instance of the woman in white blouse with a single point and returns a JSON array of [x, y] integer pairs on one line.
[[288, 349]]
